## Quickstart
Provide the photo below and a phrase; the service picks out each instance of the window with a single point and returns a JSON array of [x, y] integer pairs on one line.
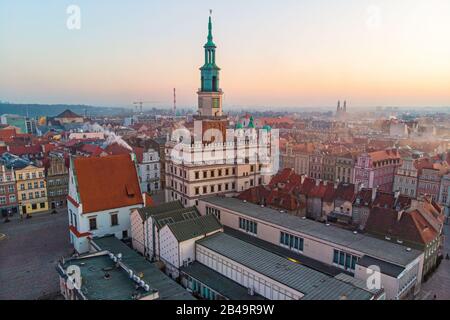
[[219, 187], [12, 198], [2, 200], [42, 205], [197, 175], [248, 226], [93, 223], [213, 211], [42, 184], [205, 174], [344, 260], [24, 196], [22, 187], [212, 173], [212, 188], [291, 241], [220, 172], [197, 190], [114, 219], [11, 188], [205, 190]]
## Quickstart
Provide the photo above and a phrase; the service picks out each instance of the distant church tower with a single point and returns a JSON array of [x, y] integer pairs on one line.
[[210, 94], [341, 112]]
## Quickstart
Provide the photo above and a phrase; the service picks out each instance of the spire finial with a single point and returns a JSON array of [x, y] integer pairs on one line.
[[210, 37]]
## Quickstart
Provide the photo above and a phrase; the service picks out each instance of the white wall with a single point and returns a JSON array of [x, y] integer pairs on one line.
[[137, 232]]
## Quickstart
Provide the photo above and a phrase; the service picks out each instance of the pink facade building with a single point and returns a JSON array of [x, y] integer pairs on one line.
[[8, 192], [377, 169]]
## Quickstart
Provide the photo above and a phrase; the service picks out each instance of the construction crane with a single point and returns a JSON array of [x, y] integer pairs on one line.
[[174, 102], [139, 104]]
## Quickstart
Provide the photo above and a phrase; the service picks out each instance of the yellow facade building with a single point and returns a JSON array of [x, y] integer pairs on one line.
[[31, 190]]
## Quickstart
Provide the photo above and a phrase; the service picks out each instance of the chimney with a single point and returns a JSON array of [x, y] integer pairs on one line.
[[302, 178], [318, 182], [374, 193], [336, 184]]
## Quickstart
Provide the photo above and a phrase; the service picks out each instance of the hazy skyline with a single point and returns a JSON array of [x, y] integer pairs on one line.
[[272, 53]]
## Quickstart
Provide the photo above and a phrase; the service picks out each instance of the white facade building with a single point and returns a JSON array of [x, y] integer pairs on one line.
[[150, 171], [102, 194], [178, 241], [401, 267]]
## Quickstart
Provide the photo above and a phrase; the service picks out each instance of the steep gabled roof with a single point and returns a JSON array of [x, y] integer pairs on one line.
[[406, 226], [106, 183]]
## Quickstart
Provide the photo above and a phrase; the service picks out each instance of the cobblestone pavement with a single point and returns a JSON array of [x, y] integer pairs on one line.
[[29, 254], [439, 283]]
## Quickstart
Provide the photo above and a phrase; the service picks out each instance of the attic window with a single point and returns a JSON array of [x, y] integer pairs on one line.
[[130, 191]]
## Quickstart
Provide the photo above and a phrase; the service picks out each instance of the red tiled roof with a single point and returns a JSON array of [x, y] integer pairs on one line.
[[384, 155], [7, 134], [115, 149], [364, 196], [345, 192], [23, 150], [107, 183], [92, 149], [411, 226]]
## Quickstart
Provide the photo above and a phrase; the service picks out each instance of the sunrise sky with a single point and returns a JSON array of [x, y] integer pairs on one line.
[[305, 53]]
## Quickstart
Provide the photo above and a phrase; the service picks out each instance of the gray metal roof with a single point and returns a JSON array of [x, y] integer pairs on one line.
[[365, 244], [169, 217], [219, 283], [162, 208], [385, 267], [167, 288], [192, 228], [298, 277]]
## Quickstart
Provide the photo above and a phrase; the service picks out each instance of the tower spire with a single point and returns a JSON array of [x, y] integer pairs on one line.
[[210, 94], [210, 42]]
